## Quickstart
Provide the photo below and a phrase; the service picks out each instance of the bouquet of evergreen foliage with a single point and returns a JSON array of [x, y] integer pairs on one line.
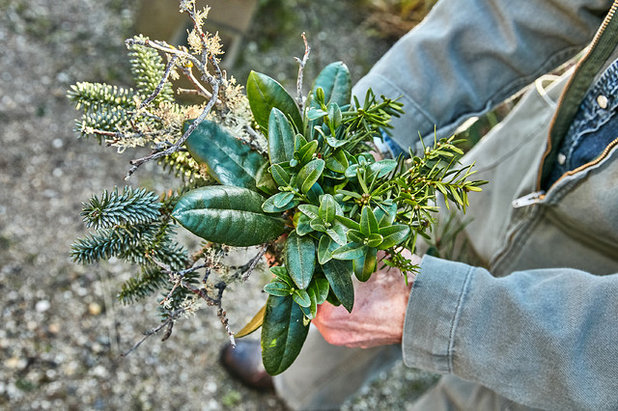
[[295, 177]]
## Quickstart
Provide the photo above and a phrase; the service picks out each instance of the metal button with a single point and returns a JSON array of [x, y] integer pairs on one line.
[[561, 159], [602, 101]]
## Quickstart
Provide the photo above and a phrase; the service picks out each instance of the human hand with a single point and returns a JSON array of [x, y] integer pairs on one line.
[[378, 314]]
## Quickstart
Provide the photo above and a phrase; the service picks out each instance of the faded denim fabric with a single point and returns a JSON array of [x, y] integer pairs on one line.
[[468, 56], [539, 326], [394, 149], [595, 125]]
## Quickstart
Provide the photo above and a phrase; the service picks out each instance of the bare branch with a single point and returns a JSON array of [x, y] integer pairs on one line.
[[176, 277], [167, 48], [246, 270], [157, 90], [147, 334], [188, 72], [189, 91]]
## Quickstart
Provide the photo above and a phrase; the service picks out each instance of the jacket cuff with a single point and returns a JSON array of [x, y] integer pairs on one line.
[[433, 312], [406, 129]]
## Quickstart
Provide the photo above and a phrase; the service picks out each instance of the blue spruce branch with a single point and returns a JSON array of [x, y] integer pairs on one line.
[[132, 206], [107, 243], [150, 280]]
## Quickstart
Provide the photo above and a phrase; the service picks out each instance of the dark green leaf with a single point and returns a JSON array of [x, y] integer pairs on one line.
[[318, 225], [309, 174], [374, 240], [339, 276], [301, 297], [283, 199], [356, 236], [229, 161], [335, 82], [314, 193], [326, 246], [333, 163], [282, 274], [337, 232], [334, 142], [385, 213], [366, 265], [270, 206], [327, 208], [383, 167], [299, 142], [368, 222], [300, 259], [306, 152], [320, 286], [309, 210], [227, 215], [283, 334], [281, 177], [334, 115], [278, 288], [264, 94], [315, 113], [348, 222], [280, 138], [393, 235], [350, 251], [303, 227], [314, 303], [332, 298], [264, 180]]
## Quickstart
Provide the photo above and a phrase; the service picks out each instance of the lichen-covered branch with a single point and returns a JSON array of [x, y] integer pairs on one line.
[[301, 68]]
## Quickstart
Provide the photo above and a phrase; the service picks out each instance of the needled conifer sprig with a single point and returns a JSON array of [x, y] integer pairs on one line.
[[94, 96], [147, 69], [132, 206], [141, 285], [107, 243]]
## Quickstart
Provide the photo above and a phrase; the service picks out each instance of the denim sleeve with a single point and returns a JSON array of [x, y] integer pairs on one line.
[[545, 338], [470, 55]]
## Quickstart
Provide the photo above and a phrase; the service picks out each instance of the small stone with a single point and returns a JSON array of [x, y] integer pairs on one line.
[[15, 363], [54, 328], [42, 306], [63, 77], [70, 368], [94, 308], [100, 371], [57, 143]]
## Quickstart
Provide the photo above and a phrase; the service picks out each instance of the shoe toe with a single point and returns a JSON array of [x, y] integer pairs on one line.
[[245, 364]]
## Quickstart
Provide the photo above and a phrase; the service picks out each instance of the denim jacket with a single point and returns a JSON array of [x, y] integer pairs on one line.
[[536, 318]]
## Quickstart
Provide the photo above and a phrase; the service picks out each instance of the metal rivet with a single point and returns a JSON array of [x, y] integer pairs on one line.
[[561, 158], [602, 101]]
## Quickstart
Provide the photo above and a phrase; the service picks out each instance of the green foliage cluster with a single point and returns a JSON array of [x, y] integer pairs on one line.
[[135, 226], [322, 192], [313, 189]]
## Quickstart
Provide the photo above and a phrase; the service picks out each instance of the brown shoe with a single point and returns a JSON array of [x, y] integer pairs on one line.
[[245, 364]]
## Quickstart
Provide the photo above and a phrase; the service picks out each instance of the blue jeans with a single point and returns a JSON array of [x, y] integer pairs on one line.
[[595, 126]]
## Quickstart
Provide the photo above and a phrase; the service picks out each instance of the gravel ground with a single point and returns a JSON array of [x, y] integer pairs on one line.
[[62, 331]]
